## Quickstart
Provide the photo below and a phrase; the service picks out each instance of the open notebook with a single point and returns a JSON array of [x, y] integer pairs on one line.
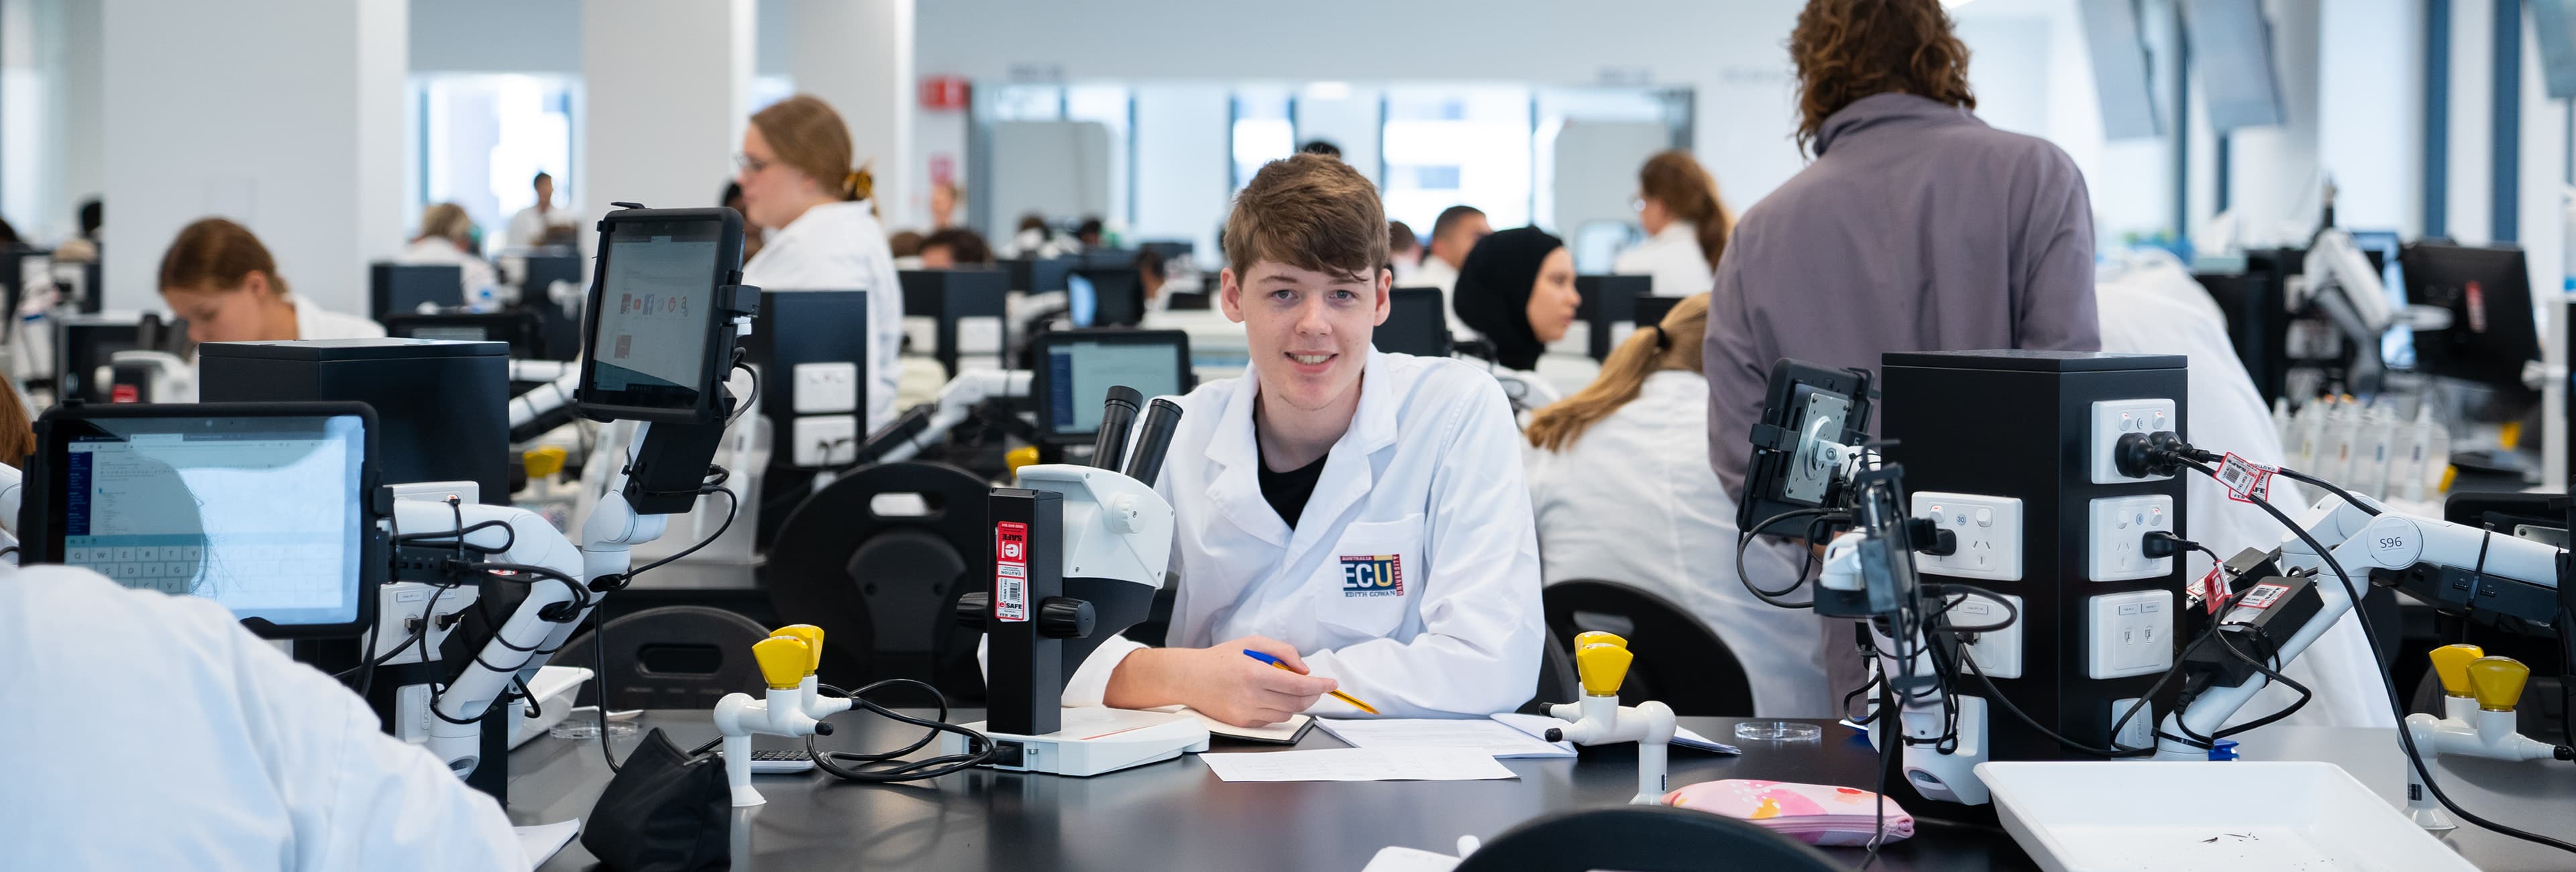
[[1286, 732]]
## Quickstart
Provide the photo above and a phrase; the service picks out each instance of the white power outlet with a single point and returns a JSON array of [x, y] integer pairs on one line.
[[1998, 652], [404, 602], [2113, 419], [2119, 525], [827, 440], [2131, 634], [1989, 533], [826, 388]]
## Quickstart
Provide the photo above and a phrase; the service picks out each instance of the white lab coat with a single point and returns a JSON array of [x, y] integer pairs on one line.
[[314, 322], [1425, 488], [841, 247], [1632, 500], [1674, 260], [1435, 273], [528, 227], [152, 732], [2157, 308], [473, 273]]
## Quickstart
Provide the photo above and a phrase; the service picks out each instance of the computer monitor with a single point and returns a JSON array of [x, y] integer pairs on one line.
[[1416, 323], [396, 288], [1106, 296], [660, 315], [558, 324], [521, 329], [1607, 304], [2488, 293], [1076, 369], [1650, 309], [1173, 251], [261, 507], [78, 284], [1039, 275]]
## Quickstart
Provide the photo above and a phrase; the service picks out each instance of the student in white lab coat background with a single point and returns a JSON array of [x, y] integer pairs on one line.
[[823, 233], [1619, 478], [2152, 306], [219, 277], [1359, 515], [151, 731], [1686, 226], [447, 238]]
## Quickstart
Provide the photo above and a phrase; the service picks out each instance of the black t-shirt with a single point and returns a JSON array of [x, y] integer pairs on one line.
[[1288, 491]]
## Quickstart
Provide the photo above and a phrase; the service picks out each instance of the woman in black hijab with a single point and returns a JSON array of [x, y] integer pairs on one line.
[[1517, 288]]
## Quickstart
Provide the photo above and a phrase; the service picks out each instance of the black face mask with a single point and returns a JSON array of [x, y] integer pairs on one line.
[[666, 811]]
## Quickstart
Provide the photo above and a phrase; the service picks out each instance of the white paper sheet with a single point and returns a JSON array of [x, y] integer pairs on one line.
[[1358, 764], [1499, 740], [540, 842], [1538, 725], [1395, 859]]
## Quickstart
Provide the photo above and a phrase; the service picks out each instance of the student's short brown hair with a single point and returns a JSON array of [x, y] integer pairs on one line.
[[1311, 212], [213, 253]]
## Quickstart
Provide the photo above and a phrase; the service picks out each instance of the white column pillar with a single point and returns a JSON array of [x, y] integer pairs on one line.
[[666, 92], [285, 115], [857, 56]]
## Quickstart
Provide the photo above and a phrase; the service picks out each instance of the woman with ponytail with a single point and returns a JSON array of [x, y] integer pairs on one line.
[[801, 185], [1686, 226], [1620, 485]]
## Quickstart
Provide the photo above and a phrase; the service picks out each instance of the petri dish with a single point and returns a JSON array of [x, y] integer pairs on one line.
[[1778, 731]]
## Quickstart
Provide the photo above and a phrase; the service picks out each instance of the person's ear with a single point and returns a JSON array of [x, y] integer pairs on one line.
[[257, 285], [1230, 294], [1385, 295]]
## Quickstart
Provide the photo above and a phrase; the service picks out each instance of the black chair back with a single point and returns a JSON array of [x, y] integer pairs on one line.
[[884, 587], [1643, 838], [677, 657], [1680, 661]]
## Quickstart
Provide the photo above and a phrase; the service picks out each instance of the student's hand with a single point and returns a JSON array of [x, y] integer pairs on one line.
[[1219, 681]]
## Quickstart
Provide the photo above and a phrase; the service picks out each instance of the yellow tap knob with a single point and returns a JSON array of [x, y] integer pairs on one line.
[[544, 462], [782, 660], [812, 636], [1024, 455], [2498, 681], [2451, 662], [1603, 666], [1582, 639]]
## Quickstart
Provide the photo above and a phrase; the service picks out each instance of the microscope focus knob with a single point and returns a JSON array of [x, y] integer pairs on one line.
[[971, 608], [1603, 667], [812, 636], [782, 661], [2451, 662], [1065, 618], [2498, 682]]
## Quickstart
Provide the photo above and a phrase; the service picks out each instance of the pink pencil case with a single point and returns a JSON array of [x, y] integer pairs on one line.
[[1817, 814]]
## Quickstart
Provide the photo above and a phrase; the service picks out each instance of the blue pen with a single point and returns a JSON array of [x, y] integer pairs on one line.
[[1274, 661]]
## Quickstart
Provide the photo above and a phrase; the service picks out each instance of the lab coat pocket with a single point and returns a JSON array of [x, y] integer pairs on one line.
[[1368, 583]]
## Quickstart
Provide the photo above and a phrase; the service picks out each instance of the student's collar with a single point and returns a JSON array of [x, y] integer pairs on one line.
[[1372, 421]]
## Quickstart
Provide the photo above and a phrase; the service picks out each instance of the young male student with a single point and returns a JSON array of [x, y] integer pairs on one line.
[[1359, 515]]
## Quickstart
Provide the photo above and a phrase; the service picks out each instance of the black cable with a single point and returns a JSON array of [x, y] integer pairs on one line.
[[1944, 589], [2304, 478], [599, 658], [733, 506], [428, 614], [754, 400], [1996, 695], [2396, 705], [1773, 597], [872, 770]]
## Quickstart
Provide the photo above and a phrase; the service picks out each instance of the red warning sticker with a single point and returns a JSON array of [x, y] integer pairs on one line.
[[2245, 480], [1011, 571]]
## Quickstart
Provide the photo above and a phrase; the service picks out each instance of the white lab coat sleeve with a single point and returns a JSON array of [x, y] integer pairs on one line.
[[361, 799], [1478, 649]]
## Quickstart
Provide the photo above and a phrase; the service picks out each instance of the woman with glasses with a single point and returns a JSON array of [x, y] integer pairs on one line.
[[1686, 226], [799, 183]]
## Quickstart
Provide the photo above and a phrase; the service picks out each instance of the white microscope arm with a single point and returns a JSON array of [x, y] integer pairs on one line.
[[522, 642], [2334, 261], [2361, 542], [957, 402]]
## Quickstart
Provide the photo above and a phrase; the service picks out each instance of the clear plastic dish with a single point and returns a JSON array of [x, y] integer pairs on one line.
[[1778, 731]]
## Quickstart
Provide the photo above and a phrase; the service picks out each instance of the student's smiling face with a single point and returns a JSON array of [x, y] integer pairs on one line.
[[1308, 331]]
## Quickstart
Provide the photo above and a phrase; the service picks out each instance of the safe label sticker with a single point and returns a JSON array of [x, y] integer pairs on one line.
[[1011, 571], [2211, 590], [2263, 596], [2245, 480], [1373, 575]]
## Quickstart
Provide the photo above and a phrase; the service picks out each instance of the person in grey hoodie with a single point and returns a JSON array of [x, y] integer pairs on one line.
[[1916, 228]]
